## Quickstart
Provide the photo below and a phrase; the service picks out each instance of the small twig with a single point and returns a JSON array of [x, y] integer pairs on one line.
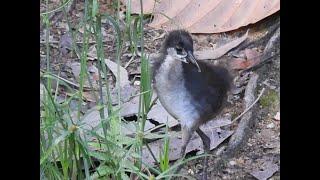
[[260, 64], [153, 156], [79, 42], [159, 37], [65, 80], [246, 110], [272, 41], [247, 120], [50, 42], [130, 61], [154, 128], [149, 173], [153, 102]]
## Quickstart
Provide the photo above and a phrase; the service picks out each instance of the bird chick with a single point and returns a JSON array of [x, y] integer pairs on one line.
[[192, 92]]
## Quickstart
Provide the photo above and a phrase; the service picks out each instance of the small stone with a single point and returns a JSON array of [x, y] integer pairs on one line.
[[240, 161], [249, 144], [190, 171], [232, 163], [270, 126], [136, 83]]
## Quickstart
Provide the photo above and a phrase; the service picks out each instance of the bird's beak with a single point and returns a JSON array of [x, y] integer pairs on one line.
[[193, 60]]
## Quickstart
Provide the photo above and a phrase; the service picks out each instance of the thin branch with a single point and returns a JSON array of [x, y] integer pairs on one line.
[[79, 42], [153, 156], [246, 110], [129, 62], [65, 80], [159, 37], [260, 64], [154, 128], [153, 102]]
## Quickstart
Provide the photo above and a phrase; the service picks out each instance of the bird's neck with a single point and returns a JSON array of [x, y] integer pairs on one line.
[[170, 60], [169, 69], [169, 64]]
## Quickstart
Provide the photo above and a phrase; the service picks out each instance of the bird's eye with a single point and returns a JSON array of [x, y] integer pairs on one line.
[[179, 49]]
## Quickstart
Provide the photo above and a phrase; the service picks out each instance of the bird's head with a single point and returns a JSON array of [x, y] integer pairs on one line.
[[179, 46]]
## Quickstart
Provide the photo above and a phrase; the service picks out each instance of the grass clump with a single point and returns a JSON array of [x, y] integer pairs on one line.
[[269, 99], [69, 150]]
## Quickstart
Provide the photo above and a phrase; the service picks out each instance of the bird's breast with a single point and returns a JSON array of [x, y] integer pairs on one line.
[[170, 87]]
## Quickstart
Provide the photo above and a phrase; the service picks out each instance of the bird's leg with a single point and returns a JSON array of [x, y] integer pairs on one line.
[[186, 136], [206, 146]]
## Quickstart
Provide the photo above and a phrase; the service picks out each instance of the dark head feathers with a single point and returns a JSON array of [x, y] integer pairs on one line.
[[178, 37]]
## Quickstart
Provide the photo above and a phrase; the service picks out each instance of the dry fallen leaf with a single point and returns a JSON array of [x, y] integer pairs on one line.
[[129, 128], [92, 52], [94, 72], [159, 114], [277, 116], [202, 16], [239, 63], [92, 118], [216, 123], [88, 96], [65, 43], [212, 129], [130, 108], [76, 68], [251, 53], [217, 137], [252, 58], [174, 148], [123, 79], [220, 51], [268, 170]]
